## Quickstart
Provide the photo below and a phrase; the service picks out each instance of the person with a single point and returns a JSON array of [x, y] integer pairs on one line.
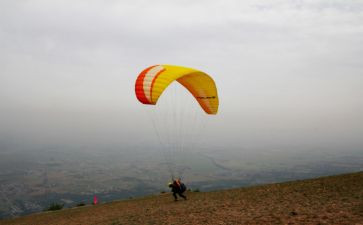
[[177, 187]]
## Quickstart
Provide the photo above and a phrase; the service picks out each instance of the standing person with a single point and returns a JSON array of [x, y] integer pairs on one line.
[[177, 187]]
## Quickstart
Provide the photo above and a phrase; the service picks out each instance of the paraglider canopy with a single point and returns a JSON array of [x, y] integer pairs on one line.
[[152, 81]]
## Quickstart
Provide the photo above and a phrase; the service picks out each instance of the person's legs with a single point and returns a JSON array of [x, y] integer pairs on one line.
[[183, 196], [175, 198]]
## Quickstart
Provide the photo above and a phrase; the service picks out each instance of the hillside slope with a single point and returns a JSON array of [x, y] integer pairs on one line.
[[327, 200]]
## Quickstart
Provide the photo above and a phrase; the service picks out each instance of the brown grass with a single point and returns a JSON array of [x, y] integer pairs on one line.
[[328, 200]]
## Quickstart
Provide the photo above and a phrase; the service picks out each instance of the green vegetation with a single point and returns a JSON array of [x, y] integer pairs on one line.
[[81, 204], [54, 207]]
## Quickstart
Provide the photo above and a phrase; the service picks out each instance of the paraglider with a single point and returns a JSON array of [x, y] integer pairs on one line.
[[177, 187], [172, 123]]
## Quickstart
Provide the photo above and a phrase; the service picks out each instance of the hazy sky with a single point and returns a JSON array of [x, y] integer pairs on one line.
[[289, 73]]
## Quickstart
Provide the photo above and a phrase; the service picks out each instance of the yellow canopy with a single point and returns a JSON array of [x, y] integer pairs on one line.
[[152, 81]]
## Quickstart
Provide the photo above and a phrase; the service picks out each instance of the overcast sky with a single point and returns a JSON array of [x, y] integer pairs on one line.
[[289, 73]]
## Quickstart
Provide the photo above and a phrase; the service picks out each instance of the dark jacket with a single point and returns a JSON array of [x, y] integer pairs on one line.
[[177, 187]]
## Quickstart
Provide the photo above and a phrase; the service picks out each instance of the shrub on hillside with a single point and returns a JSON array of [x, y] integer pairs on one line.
[[54, 207], [81, 204]]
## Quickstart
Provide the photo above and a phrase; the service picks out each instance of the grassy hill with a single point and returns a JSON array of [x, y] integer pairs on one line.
[[326, 200]]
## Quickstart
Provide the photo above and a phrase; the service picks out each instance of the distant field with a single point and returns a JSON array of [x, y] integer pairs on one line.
[[326, 200]]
